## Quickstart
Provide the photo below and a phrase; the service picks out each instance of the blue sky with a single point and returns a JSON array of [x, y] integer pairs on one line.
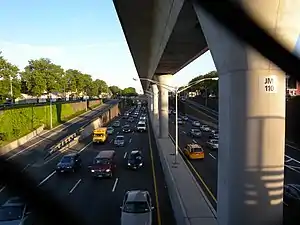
[[84, 35]]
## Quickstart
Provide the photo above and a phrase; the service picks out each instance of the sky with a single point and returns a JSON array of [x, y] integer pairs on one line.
[[84, 35]]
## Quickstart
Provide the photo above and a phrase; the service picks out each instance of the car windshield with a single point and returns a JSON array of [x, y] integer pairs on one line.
[[66, 159], [214, 141], [9, 213], [110, 128], [141, 125], [196, 131], [126, 126], [98, 135], [136, 207], [135, 156], [197, 150], [120, 138], [117, 123], [102, 161]]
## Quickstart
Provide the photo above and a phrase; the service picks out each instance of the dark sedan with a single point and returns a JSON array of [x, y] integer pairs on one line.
[[69, 163], [135, 160], [126, 128]]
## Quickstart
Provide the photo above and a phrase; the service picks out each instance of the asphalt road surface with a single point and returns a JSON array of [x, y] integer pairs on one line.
[[98, 201], [35, 148], [206, 171]]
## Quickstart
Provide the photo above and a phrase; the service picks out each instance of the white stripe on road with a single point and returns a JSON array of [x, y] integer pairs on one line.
[[47, 178], [130, 140], [115, 185], [2, 189], [73, 188], [25, 168], [194, 141], [111, 141], [85, 147], [212, 156], [125, 155], [183, 132]]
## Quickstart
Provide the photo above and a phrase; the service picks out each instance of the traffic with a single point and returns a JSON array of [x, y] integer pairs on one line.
[[112, 177], [199, 145]]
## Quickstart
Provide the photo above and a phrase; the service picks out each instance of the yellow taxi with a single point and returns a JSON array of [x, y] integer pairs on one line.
[[193, 151], [100, 135]]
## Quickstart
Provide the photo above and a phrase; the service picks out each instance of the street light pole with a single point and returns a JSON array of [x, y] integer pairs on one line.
[[50, 104], [176, 91]]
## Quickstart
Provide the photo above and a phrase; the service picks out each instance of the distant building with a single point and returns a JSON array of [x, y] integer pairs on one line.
[[292, 86]]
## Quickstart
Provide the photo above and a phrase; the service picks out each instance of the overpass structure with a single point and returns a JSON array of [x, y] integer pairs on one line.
[[166, 35]]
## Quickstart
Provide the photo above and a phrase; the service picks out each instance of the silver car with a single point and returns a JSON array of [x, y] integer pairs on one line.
[[14, 212], [137, 208], [213, 144], [196, 123], [119, 140]]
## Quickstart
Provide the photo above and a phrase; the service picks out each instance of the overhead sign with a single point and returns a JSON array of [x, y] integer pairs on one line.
[[270, 84]]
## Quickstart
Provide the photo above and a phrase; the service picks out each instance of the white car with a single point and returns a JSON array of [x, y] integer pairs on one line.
[[185, 118], [180, 121], [119, 140], [205, 128], [196, 123], [137, 208], [213, 144]]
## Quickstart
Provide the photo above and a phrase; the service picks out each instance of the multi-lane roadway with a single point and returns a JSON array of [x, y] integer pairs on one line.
[[99, 201], [206, 171]]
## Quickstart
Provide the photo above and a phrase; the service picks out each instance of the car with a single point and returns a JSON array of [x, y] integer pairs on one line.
[[69, 163], [110, 130], [170, 111], [214, 135], [130, 119], [103, 164], [135, 115], [136, 208], [173, 112], [126, 128], [205, 128], [184, 118], [195, 133], [213, 144], [196, 123], [291, 195], [193, 151], [135, 159], [119, 141], [180, 121], [116, 124], [15, 212], [143, 117], [141, 126]]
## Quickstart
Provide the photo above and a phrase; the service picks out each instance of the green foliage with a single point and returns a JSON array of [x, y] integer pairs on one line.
[[8, 76], [130, 91], [115, 90], [15, 123], [210, 85], [101, 86]]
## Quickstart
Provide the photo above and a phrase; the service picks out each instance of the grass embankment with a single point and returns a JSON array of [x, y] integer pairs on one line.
[[15, 123]]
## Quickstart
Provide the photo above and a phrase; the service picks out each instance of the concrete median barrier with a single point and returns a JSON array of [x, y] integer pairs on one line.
[[85, 131]]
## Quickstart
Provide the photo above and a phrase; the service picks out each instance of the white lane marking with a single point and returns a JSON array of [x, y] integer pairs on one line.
[[212, 156], [194, 141], [47, 178], [183, 132], [73, 188], [54, 133], [2, 189], [115, 185], [118, 132], [130, 140], [286, 161], [25, 168], [111, 141], [125, 155], [293, 147], [85, 147]]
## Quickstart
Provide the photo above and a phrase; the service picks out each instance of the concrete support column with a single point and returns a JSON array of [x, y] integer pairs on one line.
[[251, 116], [163, 99], [155, 114]]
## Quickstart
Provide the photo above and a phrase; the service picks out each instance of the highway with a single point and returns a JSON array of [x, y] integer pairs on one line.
[[99, 201], [206, 171], [48, 138]]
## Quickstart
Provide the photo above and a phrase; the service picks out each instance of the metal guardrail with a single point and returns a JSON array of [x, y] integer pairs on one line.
[[65, 142]]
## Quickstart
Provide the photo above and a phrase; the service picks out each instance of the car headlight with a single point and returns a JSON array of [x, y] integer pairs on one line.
[[128, 164], [92, 171], [141, 164], [108, 170]]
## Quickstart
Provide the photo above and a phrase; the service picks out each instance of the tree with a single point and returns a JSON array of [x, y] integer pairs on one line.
[[75, 81], [8, 77], [129, 91], [41, 75], [115, 90], [209, 85], [93, 90], [101, 86]]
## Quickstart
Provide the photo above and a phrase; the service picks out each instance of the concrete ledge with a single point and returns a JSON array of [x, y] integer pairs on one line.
[[189, 203], [15, 144]]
